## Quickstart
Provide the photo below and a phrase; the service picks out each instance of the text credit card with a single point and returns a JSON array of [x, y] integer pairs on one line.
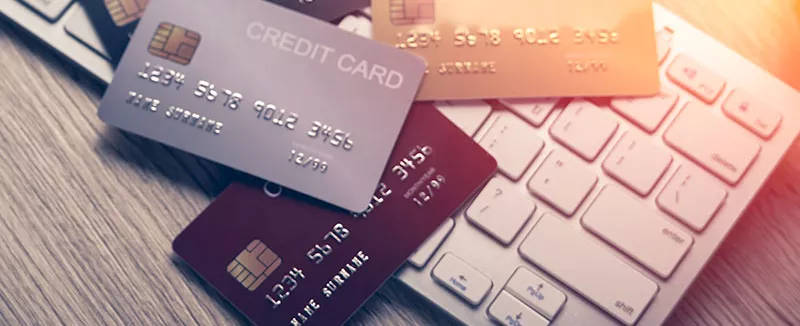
[[524, 48], [273, 93], [282, 258], [115, 20]]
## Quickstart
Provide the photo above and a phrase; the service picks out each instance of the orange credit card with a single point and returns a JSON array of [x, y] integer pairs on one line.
[[477, 49]]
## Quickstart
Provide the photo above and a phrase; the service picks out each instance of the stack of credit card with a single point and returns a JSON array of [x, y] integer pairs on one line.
[[326, 125]]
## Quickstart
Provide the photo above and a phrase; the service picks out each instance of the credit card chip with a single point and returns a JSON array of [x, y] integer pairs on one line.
[[254, 264], [407, 12], [174, 43], [125, 11]]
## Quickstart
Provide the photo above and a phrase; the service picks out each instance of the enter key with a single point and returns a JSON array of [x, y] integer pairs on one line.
[[637, 230]]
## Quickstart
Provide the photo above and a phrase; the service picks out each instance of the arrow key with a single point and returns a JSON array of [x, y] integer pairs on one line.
[[461, 279], [509, 311]]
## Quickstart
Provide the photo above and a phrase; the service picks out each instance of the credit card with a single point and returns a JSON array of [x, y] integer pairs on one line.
[[115, 20], [282, 258], [524, 48], [273, 93], [114, 23]]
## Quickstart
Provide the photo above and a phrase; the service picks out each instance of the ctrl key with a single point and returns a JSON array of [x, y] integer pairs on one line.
[[509, 311], [461, 279]]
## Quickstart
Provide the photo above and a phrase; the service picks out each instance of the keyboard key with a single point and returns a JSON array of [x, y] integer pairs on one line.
[[692, 196], [751, 114], [712, 141], [357, 24], [562, 181], [535, 111], [467, 115], [646, 112], [367, 11], [584, 128], [49, 9], [695, 78], [513, 143], [588, 268], [501, 210], [423, 254], [637, 230], [536, 292], [80, 27], [663, 43], [462, 279], [637, 163], [509, 311]]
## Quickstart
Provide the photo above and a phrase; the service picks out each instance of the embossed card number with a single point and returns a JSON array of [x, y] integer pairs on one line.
[[478, 49], [232, 100]]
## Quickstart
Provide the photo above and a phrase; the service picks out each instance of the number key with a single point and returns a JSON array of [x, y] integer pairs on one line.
[[695, 78]]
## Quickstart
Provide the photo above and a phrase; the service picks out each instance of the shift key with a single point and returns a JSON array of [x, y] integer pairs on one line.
[[712, 141], [591, 270]]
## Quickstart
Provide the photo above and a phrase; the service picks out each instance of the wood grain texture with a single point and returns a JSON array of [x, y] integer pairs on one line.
[[88, 213]]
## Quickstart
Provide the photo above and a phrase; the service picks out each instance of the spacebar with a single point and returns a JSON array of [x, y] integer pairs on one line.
[[576, 260]]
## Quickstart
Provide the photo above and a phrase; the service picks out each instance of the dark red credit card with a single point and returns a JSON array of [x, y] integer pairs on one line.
[[283, 258]]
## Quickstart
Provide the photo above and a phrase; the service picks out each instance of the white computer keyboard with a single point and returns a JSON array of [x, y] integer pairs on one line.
[[604, 213], [601, 213]]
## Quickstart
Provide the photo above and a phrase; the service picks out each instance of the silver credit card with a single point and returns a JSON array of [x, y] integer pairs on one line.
[[268, 91]]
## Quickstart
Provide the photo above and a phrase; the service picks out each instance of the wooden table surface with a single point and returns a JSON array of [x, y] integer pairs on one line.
[[88, 213]]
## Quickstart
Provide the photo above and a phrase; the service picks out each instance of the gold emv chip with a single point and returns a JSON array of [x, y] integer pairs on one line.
[[254, 264], [174, 43], [406, 12], [125, 11]]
